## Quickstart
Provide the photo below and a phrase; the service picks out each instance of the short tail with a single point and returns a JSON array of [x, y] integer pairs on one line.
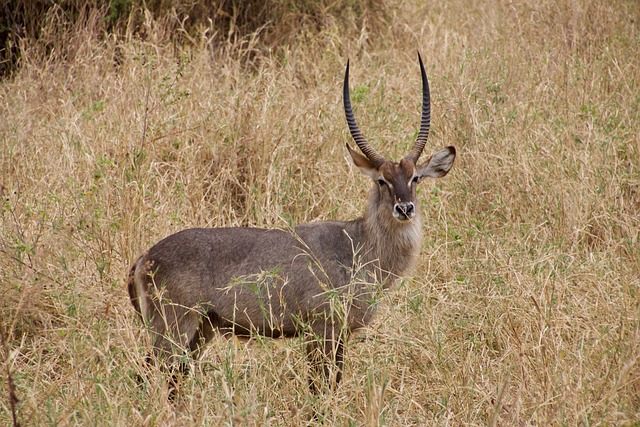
[[133, 290]]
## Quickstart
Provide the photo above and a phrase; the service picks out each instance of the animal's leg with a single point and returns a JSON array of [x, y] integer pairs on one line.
[[174, 328], [326, 356], [206, 331]]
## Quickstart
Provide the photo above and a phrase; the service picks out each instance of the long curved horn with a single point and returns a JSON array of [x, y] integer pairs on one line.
[[425, 120], [362, 143]]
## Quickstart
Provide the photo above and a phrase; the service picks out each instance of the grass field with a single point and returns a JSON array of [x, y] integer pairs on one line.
[[524, 309]]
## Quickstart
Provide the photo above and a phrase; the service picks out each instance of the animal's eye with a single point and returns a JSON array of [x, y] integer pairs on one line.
[[415, 179], [382, 182]]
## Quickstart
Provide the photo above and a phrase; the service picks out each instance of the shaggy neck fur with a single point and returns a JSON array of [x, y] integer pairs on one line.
[[390, 245]]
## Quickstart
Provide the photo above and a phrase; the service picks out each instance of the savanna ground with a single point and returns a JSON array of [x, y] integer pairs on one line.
[[525, 306]]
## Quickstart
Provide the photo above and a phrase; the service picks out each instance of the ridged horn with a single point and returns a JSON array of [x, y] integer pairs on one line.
[[362, 143], [425, 120]]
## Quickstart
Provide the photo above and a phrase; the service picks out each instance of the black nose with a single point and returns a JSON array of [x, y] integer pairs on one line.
[[405, 210]]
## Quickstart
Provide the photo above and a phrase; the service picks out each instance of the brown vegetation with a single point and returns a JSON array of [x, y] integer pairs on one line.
[[525, 306]]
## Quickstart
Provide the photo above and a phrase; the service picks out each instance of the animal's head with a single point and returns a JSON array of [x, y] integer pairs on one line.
[[396, 182]]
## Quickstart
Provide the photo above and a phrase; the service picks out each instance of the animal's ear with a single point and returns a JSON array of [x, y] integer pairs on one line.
[[366, 167], [438, 165]]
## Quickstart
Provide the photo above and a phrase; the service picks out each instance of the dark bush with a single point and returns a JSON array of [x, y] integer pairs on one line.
[[46, 25]]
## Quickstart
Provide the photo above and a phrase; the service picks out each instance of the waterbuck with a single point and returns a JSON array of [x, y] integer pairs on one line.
[[318, 281]]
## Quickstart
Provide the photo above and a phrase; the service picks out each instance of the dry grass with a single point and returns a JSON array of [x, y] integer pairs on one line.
[[525, 307]]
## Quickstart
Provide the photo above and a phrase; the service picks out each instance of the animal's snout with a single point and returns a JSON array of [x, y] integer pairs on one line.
[[404, 210]]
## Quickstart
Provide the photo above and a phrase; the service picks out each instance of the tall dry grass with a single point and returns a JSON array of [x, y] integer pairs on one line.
[[525, 307]]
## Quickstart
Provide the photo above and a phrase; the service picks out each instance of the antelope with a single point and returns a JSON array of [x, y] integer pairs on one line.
[[317, 281]]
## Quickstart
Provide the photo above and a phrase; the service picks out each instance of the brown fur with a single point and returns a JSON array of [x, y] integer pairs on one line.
[[319, 280]]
